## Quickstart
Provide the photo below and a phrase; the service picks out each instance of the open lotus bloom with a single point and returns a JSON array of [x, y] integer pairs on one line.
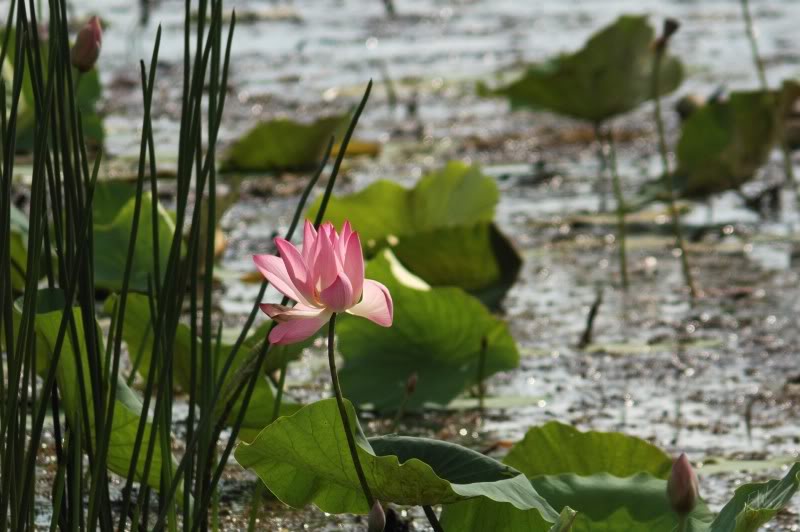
[[327, 276]]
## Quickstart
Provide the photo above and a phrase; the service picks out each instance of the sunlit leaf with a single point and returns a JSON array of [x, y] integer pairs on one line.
[[754, 505], [555, 448], [304, 459], [441, 229]]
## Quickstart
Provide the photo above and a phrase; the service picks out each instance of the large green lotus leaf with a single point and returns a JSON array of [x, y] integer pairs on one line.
[[724, 143], [89, 93], [437, 334], [477, 258], [127, 408], [753, 505], [138, 334], [603, 502], [441, 229], [555, 448], [456, 195], [114, 205], [609, 76], [480, 515], [282, 144], [608, 503], [304, 459]]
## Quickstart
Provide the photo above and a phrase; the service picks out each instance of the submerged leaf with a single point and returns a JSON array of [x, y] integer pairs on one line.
[[609, 76], [437, 334], [304, 459]]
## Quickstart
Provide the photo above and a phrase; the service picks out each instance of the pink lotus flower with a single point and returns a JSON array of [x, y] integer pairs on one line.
[[327, 276], [86, 49]]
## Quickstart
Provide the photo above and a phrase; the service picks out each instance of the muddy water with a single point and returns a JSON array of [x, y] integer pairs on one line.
[[681, 375]]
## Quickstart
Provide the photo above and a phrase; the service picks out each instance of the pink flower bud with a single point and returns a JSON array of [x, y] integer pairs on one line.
[[682, 486], [377, 519], [86, 49]]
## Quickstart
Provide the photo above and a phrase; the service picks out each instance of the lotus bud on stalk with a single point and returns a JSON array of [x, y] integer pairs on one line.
[[377, 519], [682, 486], [86, 49], [670, 27]]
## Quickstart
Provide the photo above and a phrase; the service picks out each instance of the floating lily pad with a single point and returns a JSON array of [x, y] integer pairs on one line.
[[609, 76], [127, 408], [558, 448], [282, 144], [754, 505], [441, 229], [137, 332], [304, 459], [437, 334], [725, 142], [114, 205]]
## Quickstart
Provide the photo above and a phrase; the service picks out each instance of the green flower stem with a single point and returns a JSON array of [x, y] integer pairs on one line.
[[432, 519], [662, 146], [621, 228], [348, 431], [683, 523]]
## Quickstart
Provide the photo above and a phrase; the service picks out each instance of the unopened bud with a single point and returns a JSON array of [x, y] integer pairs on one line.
[[377, 519], [86, 49], [682, 486], [670, 27], [411, 383]]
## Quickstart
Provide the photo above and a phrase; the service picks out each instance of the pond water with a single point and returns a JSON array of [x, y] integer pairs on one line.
[[683, 376]]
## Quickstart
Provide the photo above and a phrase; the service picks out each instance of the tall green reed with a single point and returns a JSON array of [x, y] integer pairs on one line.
[[60, 249]]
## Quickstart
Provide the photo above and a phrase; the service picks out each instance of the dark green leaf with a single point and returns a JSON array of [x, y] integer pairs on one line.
[[609, 76], [283, 144], [138, 334], [114, 206], [437, 333], [724, 143], [127, 409]]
